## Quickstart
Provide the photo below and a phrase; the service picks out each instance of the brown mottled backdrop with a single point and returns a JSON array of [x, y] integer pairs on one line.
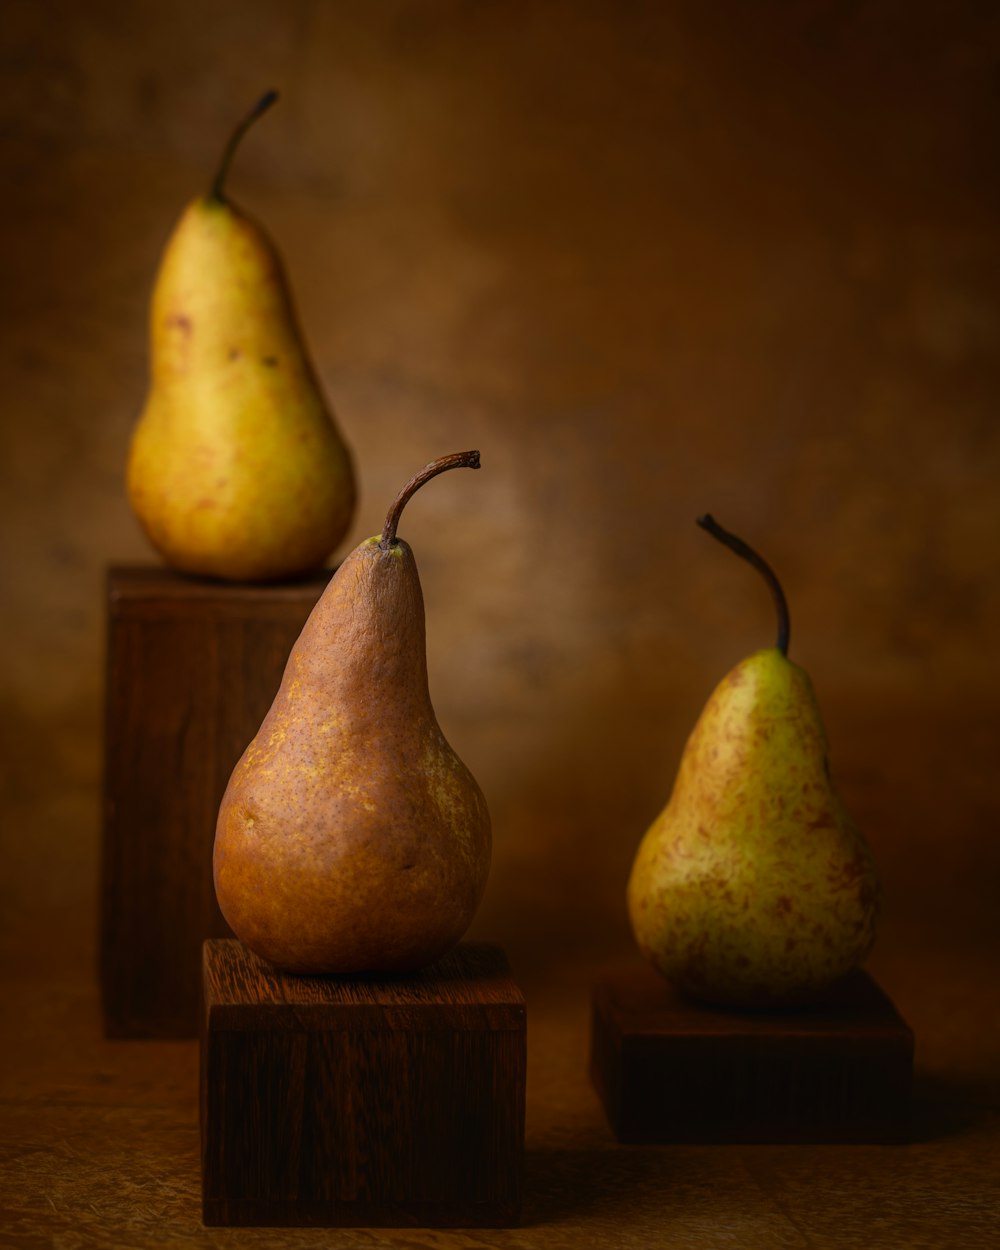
[[651, 258]]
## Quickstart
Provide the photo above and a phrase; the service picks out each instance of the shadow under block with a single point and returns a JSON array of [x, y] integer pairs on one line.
[[668, 1070], [192, 668], [362, 1101]]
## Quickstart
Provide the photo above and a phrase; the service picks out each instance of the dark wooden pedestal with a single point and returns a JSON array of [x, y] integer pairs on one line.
[[668, 1070], [192, 668], [356, 1101]]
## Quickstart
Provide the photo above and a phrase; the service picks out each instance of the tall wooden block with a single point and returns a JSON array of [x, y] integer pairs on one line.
[[192, 667], [360, 1101], [668, 1070]]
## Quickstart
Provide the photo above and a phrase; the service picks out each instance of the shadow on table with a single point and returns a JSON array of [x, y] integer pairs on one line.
[[560, 1184], [945, 1106]]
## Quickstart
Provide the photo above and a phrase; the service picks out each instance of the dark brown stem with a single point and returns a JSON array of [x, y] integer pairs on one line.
[[457, 460], [262, 105], [747, 552]]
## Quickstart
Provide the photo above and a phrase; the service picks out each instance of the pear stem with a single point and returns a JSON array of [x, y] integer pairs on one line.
[[708, 522], [262, 105], [457, 460]]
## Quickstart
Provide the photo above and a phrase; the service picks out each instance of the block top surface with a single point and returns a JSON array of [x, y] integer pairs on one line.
[[137, 588], [469, 988], [640, 1001]]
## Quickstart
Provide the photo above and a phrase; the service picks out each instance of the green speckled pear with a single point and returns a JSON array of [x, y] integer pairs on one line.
[[754, 888], [351, 837]]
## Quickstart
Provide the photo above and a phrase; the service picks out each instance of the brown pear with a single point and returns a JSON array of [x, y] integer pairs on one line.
[[351, 837]]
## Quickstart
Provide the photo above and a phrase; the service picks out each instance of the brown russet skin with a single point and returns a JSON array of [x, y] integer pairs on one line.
[[351, 837]]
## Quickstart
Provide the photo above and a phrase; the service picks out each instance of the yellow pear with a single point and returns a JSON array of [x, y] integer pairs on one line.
[[351, 837], [236, 468], [753, 887]]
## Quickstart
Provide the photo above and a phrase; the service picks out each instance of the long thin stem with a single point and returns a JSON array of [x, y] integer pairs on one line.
[[708, 522], [457, 460], [262, 105]]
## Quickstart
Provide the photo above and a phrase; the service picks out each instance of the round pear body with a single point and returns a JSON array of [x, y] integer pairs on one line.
[[236, 468], [351, 837], [754, 888]]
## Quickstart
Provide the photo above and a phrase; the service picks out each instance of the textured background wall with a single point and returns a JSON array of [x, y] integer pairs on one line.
[[653, 259]]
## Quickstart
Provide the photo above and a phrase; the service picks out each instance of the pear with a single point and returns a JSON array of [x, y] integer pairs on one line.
[[351, 837], [236, 469], [753, 887]]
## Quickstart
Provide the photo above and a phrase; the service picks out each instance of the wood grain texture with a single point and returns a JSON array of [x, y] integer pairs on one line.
[[99, 1140], [470, 988], [192, 667], [668, 1070], [360, 1101]]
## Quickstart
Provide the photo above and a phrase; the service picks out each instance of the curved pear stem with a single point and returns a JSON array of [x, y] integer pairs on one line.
[[262, 105], [457, 460], [708, 522]]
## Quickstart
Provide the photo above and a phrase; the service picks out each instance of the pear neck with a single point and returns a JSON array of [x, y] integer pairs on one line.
[[366, 637]]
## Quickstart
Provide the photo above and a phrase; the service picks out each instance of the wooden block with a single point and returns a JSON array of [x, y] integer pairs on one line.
[[192, 667], [668, 1070], [360, 1101]]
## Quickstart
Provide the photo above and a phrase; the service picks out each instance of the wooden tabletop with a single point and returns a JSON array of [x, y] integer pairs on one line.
[[99, 1139]]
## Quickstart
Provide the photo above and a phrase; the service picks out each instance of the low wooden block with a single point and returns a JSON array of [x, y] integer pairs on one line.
[[668, 1070], [358, 1101], [192, 668]]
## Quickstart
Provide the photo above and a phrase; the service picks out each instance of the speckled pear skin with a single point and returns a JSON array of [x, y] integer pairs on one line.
[[351, 837], [236, 468], [754, 888]]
